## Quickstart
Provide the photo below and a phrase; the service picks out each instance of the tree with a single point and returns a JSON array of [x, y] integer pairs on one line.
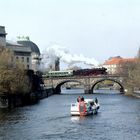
[[131, 71], [138, 54], [13, 79]]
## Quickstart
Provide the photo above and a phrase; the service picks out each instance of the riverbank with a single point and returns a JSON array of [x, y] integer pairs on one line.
[[136, 94], [18, 100]]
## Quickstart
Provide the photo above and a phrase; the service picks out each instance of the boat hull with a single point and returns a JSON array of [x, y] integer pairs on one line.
[[83, 109]]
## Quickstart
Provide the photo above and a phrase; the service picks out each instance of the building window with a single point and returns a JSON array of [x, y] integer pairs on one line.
[[27, 59], [22, 59]]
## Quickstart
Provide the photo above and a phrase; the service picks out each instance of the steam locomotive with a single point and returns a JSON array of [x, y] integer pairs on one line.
[[79, 72]]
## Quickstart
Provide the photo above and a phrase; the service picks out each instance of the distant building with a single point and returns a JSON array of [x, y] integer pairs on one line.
[[114, 64], [21, 53], [2, 36], [35, 52], [25, 51]]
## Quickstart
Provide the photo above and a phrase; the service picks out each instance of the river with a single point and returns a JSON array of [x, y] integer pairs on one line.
[[118, 119]]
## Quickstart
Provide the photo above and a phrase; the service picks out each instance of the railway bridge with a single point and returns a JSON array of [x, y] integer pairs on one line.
[[88, 82]]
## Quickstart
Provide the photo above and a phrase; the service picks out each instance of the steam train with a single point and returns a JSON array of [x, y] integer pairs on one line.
[[79, 72]]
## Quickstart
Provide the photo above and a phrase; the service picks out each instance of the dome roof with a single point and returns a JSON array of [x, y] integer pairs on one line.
[[28, 43]]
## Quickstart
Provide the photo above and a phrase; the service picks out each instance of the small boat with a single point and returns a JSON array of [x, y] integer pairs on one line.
[[84, 108]]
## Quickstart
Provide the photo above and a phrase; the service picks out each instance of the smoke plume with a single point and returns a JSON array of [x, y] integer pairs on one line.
[[54, 52]]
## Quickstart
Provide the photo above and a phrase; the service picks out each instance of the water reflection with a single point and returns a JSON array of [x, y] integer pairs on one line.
[[72, 91], [107, 91], [78, 118], [81, 91]]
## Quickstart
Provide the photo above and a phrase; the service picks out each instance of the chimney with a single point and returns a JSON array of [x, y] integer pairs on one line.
[[57, 64]]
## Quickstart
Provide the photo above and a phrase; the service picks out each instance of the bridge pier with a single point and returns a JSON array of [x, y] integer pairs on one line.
[[57, 90], [87, 86]]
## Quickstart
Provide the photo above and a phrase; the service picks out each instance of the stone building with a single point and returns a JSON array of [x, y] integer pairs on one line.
[[114, 64], [21, 53], [25, 51], [2, 36], [35, 52]]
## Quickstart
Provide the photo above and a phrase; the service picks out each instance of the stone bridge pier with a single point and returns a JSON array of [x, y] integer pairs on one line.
[[87, 86]]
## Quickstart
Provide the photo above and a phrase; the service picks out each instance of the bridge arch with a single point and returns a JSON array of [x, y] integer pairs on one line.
[[58, 86], [116, 81]]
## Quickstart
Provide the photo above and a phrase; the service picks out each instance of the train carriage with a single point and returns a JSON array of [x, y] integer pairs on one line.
[[79, 72], [59, 73]]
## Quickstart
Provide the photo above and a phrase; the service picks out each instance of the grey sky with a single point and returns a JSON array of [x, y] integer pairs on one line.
[[94, 28]]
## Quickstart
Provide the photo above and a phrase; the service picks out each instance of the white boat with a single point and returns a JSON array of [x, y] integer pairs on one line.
[[84, 108]]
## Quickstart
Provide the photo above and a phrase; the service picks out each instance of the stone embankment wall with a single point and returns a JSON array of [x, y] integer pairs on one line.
[[13, 101], [136, 94], [46, 93]]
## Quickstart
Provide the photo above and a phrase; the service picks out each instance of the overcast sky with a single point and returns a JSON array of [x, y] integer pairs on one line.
[[94, 28]]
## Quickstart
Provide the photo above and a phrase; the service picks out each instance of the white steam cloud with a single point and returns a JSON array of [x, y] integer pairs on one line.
[[55, 51]]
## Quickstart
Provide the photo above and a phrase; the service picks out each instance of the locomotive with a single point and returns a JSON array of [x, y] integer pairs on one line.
[[90, 72], [79, 72]]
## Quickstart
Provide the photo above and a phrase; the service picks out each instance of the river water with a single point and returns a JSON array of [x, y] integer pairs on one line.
[[50, 119]]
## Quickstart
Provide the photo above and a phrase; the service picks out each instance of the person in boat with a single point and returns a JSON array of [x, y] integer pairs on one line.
[[96, 103], [89, 106], [82, 99], [79, 99], [82, 106], [96, 100]]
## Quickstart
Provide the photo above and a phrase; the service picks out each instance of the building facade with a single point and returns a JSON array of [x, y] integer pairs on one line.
[[2, 36], [35, 52], [114, 64], [25, 51], [22, 54]]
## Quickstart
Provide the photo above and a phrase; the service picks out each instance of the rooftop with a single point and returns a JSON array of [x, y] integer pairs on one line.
[[25, 41], [115, 60]]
